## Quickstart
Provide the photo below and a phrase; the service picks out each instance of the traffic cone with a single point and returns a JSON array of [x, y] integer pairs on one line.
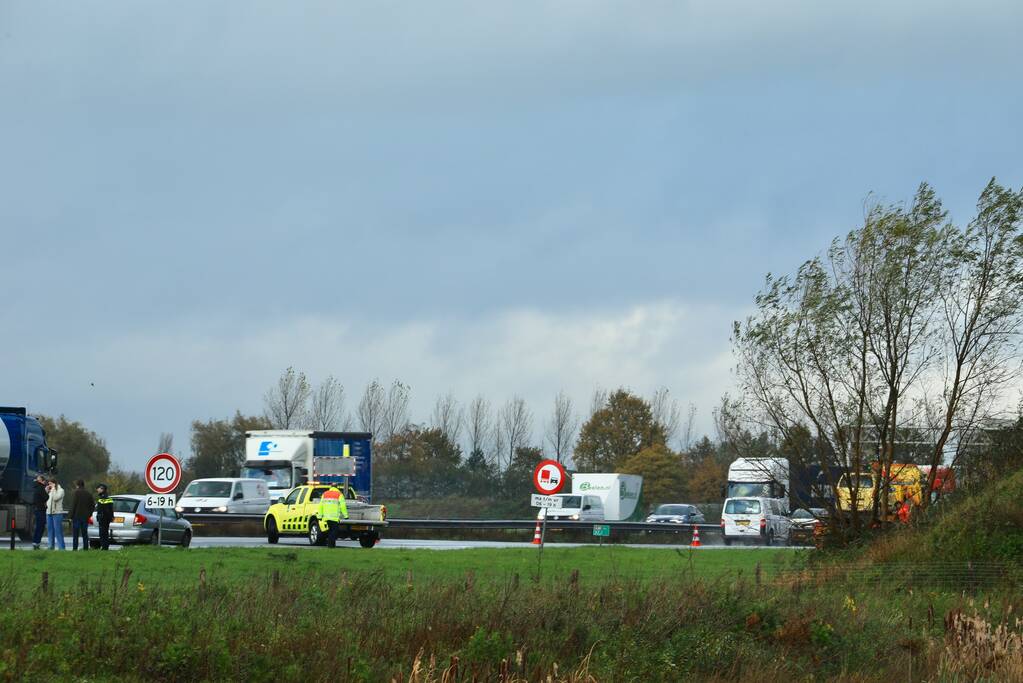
[[536, 534], [696, 538]]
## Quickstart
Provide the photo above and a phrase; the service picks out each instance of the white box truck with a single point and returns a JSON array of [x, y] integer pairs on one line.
[[618, 494]]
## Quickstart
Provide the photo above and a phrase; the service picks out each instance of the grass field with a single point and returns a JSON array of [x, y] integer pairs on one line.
[[597, 614], [175, 566]]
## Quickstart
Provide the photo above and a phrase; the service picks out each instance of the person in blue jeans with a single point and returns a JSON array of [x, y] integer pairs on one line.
[[39, 498], [55, 513]]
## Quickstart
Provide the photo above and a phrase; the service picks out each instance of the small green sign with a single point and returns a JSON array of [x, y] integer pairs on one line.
[[601, 530]]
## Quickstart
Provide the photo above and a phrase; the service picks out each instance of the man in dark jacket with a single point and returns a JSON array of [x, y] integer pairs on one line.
[[82, 505], [39, 497], [104, 515]]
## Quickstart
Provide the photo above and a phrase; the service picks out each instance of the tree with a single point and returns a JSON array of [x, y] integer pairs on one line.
[[706, 480], [448, 417], [328, 406], [121, 481], [82, 454], [518, 478], [666, 412], [417, 463], [663, 475], [166, 443], [514, 426], [218, 446], [286, 404], [478, 424], [562, 427], [394, 418], [371, 408], [619, 430]]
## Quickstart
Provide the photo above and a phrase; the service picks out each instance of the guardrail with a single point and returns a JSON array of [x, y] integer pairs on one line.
[[486, 523]]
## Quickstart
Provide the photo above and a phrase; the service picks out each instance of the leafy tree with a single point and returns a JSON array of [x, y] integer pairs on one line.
[[415, 463], [706, 480], [218, 446], [518, 478], [664, 478], [623, 427], [122, 481], [478, 474], [82, 454]]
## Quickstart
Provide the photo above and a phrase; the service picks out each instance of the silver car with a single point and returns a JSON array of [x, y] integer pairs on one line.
[[134, 523]]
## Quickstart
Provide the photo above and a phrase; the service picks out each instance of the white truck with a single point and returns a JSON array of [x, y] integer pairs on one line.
[[286, 458], [759, 478], [616, 498]]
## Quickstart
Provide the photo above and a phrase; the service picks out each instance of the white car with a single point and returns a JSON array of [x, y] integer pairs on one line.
[[226, 495], [575, 506], [761, 520]]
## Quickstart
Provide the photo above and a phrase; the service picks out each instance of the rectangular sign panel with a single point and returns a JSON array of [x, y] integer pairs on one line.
[[601, 530], [159, 501], [540, 501]]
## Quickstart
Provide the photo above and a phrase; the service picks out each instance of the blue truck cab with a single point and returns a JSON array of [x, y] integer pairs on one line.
[[24, 454]]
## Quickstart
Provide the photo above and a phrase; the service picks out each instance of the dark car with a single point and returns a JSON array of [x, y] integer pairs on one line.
[[805, 521], [676, 513]]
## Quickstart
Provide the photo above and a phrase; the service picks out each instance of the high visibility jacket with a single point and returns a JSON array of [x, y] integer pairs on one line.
[[332, 506], [104, 510]]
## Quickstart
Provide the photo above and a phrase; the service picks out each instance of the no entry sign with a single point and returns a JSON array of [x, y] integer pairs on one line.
[[549, 477], [163, 473]]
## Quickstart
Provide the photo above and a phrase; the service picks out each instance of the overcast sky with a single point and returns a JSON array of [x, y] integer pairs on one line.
[[505, 198]]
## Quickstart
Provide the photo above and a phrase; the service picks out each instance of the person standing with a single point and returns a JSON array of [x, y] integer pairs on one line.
[[39, 497], [82, 505], [55, 512], [104, 515], [332, 508]]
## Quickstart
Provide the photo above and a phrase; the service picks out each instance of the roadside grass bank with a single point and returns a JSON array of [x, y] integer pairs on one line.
[[417, 615]]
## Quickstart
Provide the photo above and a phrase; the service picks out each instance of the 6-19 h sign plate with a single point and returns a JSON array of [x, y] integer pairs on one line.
[[549, 477], [163, 473]]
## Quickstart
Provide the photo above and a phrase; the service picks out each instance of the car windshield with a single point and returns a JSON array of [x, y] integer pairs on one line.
[[742, 507], [125, 505], [208, 489], [741, 489], [672, 510], [276, 477], [571, 501]]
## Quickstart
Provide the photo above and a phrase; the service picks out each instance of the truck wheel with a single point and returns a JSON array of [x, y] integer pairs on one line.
[[272, 535], [94, 544], [368, 540], [728, 541], [315, 536]]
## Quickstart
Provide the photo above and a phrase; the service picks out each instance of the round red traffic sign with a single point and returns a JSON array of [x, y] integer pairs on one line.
[[163, 473], [549, 477]]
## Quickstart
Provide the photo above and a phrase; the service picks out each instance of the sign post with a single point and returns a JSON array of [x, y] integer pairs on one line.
[[163, 474], [548, 478]]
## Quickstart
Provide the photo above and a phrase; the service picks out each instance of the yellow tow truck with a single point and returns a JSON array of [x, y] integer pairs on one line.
[[295, 515]]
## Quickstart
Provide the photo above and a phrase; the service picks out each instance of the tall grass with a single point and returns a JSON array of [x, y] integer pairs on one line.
[[283, 624]]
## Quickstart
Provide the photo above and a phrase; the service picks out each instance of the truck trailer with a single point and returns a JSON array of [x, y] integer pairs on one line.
[[24, 454], [286, 458]]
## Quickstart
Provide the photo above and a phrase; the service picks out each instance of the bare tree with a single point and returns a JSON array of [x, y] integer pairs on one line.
[[478, 425], [562, 426], [688, 429], [514, 426], [395, 415], [286, 404], [371, 409], [666, 412], [598, 400], [328, 406], [448, 417], [166, 443]]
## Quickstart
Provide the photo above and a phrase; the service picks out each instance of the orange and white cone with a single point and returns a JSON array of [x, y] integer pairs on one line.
[[696, 538], [536, 534]]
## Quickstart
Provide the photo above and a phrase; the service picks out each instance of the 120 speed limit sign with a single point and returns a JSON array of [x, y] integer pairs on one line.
[[163, 473]]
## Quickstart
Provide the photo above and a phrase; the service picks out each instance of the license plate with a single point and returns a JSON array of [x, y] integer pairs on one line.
[[119, 520], [742, 522]]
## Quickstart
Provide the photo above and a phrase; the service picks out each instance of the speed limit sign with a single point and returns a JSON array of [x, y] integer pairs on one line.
[[163, 473]]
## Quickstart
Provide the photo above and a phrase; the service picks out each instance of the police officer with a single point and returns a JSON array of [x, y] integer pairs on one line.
[[104, 515], [332, 509]]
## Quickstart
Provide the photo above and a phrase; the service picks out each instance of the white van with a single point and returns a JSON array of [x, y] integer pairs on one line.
[[227, 495], [761, 520], [576, 506]]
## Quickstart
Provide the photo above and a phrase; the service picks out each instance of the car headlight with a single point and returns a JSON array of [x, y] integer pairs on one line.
[[575, 516], [222, 508], [179, 508]]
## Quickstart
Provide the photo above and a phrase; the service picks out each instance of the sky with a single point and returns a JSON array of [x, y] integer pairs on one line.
[[507, 199]]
